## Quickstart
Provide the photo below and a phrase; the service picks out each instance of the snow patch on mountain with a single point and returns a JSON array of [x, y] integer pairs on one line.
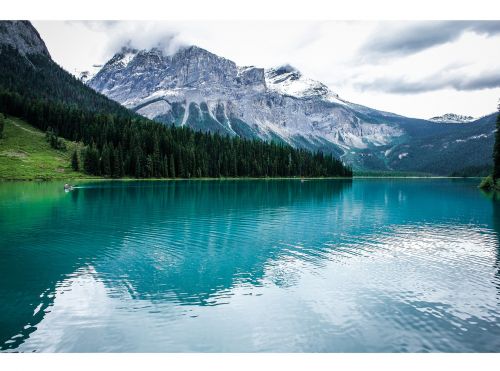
[[474, 137], [288, 81], [452, 118]]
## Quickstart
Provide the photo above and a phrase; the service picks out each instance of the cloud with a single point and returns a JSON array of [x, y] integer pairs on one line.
[[454, 61], [443, 80], [405, 38], [137, 35], [95, 25]]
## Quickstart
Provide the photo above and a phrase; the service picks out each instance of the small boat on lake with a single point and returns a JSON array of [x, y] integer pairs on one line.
[[68, 187]]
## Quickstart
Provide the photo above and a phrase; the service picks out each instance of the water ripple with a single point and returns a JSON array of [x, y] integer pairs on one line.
[[380, 265]]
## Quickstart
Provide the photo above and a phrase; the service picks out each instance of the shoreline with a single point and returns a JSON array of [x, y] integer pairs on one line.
[[7, 180], [4, 180]]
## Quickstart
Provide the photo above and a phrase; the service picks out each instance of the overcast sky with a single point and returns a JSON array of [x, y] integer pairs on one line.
[[418, 69]]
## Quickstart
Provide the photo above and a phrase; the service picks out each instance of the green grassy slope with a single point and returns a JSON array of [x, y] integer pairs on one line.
[[25, 154]]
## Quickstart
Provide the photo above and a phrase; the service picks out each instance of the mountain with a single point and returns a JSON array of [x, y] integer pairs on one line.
[[198, 89], [201, 90], [22, 36], [26, 69], [119, 142], [452, 118]]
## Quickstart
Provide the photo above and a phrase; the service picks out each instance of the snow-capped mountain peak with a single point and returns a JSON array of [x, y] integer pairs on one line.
[[122, 58], [452, 118], [287, 80]]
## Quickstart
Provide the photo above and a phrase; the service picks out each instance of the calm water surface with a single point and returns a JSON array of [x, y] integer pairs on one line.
[[322, 266]]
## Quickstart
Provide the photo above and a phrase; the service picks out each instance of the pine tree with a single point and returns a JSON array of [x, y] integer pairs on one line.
[[91, 160], [138, 168], [2, 124], [180, 168], [105, 161], [164, 167], [149, 167], [74, 161], [120, 164], [156, 159], [172, 166], [117, 163]]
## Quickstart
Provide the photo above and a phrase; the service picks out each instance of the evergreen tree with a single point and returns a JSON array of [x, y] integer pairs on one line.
[[138, 168], [172, 166], [105, 161], [54, 141], [91, 160], [149, 168], [2, 124], [74, 161], [164, 163], [116, 164], [156, 158]]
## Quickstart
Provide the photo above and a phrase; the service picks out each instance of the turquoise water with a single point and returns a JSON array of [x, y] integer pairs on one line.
[[375, 265]]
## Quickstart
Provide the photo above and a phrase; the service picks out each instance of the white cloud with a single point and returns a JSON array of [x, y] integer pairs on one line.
[[384, 65]]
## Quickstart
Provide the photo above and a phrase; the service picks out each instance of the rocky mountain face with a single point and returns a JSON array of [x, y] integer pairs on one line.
[[452, 118], [22, 36], [201, 90]]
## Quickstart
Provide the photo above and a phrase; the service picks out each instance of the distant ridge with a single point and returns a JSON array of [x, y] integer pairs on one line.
[[452, 118]]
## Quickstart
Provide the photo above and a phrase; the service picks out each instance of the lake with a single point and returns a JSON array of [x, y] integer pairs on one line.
[[363, 265]]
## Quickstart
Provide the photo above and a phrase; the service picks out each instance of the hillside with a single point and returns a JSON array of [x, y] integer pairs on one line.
[[25, 154]]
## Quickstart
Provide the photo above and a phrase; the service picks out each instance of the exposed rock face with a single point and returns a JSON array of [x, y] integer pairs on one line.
[[22, 36], [201, 90], [204, 91]]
